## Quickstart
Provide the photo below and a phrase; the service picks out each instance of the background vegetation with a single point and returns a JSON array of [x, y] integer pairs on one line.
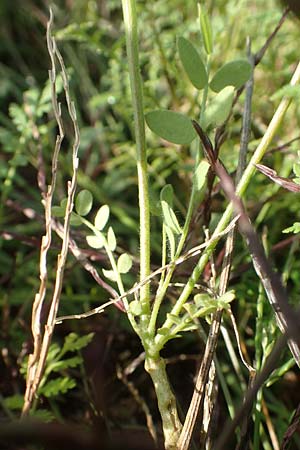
[[88, 380]]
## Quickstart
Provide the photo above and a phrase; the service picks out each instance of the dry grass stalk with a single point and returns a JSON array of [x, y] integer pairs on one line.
[[42, 337]]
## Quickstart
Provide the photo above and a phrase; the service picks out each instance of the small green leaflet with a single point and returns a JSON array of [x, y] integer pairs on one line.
[[124, 263], [295, 228], [74, 342], [192, 63], [219, 108], [57, 386], [110, 274], [57, 366], [102, 217], [200, 174], [172, 126], [111, 240], [135, 308], [235, 73], [60, 211], [170, 219], [96, 241], [83, 202], [75, 220]]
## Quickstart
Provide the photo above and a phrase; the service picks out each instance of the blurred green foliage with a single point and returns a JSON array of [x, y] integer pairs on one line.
[[91, 38]]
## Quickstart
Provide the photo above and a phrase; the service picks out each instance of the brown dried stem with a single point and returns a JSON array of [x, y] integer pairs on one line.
[[42, 339]]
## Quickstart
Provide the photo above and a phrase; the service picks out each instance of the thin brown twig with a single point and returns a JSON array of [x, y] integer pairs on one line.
[[37, 360], [270, 427], [140, 401], [45, 245], [292, 428], [260, 54]]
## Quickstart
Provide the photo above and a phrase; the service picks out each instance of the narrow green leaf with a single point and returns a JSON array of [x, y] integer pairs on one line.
[[110, 274], [172, 242], [192, 63], [175, 319], [200, 174], [296, 169], [170, 218], [167, 194], [219, 108], [280, 371], [206, 29], [83, 202], [172, 126], [95, 241], [111, 239], [189, 327], [102, 217], [205, 311], [124, 263], [235, 73]]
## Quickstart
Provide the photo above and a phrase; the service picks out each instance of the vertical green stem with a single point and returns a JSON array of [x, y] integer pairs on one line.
[[156, 367], [162, 289], [130, 22]]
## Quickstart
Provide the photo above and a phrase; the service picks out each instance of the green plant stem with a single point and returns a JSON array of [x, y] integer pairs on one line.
[[115, 270], [164, 284], [205, 93], [156, 367], [130, 22], [241, 188]]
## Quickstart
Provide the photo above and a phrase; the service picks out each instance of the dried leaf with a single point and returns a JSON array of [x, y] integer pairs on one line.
[[284, 182]]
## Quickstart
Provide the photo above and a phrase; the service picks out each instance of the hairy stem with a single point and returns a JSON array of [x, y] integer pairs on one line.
[[130, 22], [156, 367]]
